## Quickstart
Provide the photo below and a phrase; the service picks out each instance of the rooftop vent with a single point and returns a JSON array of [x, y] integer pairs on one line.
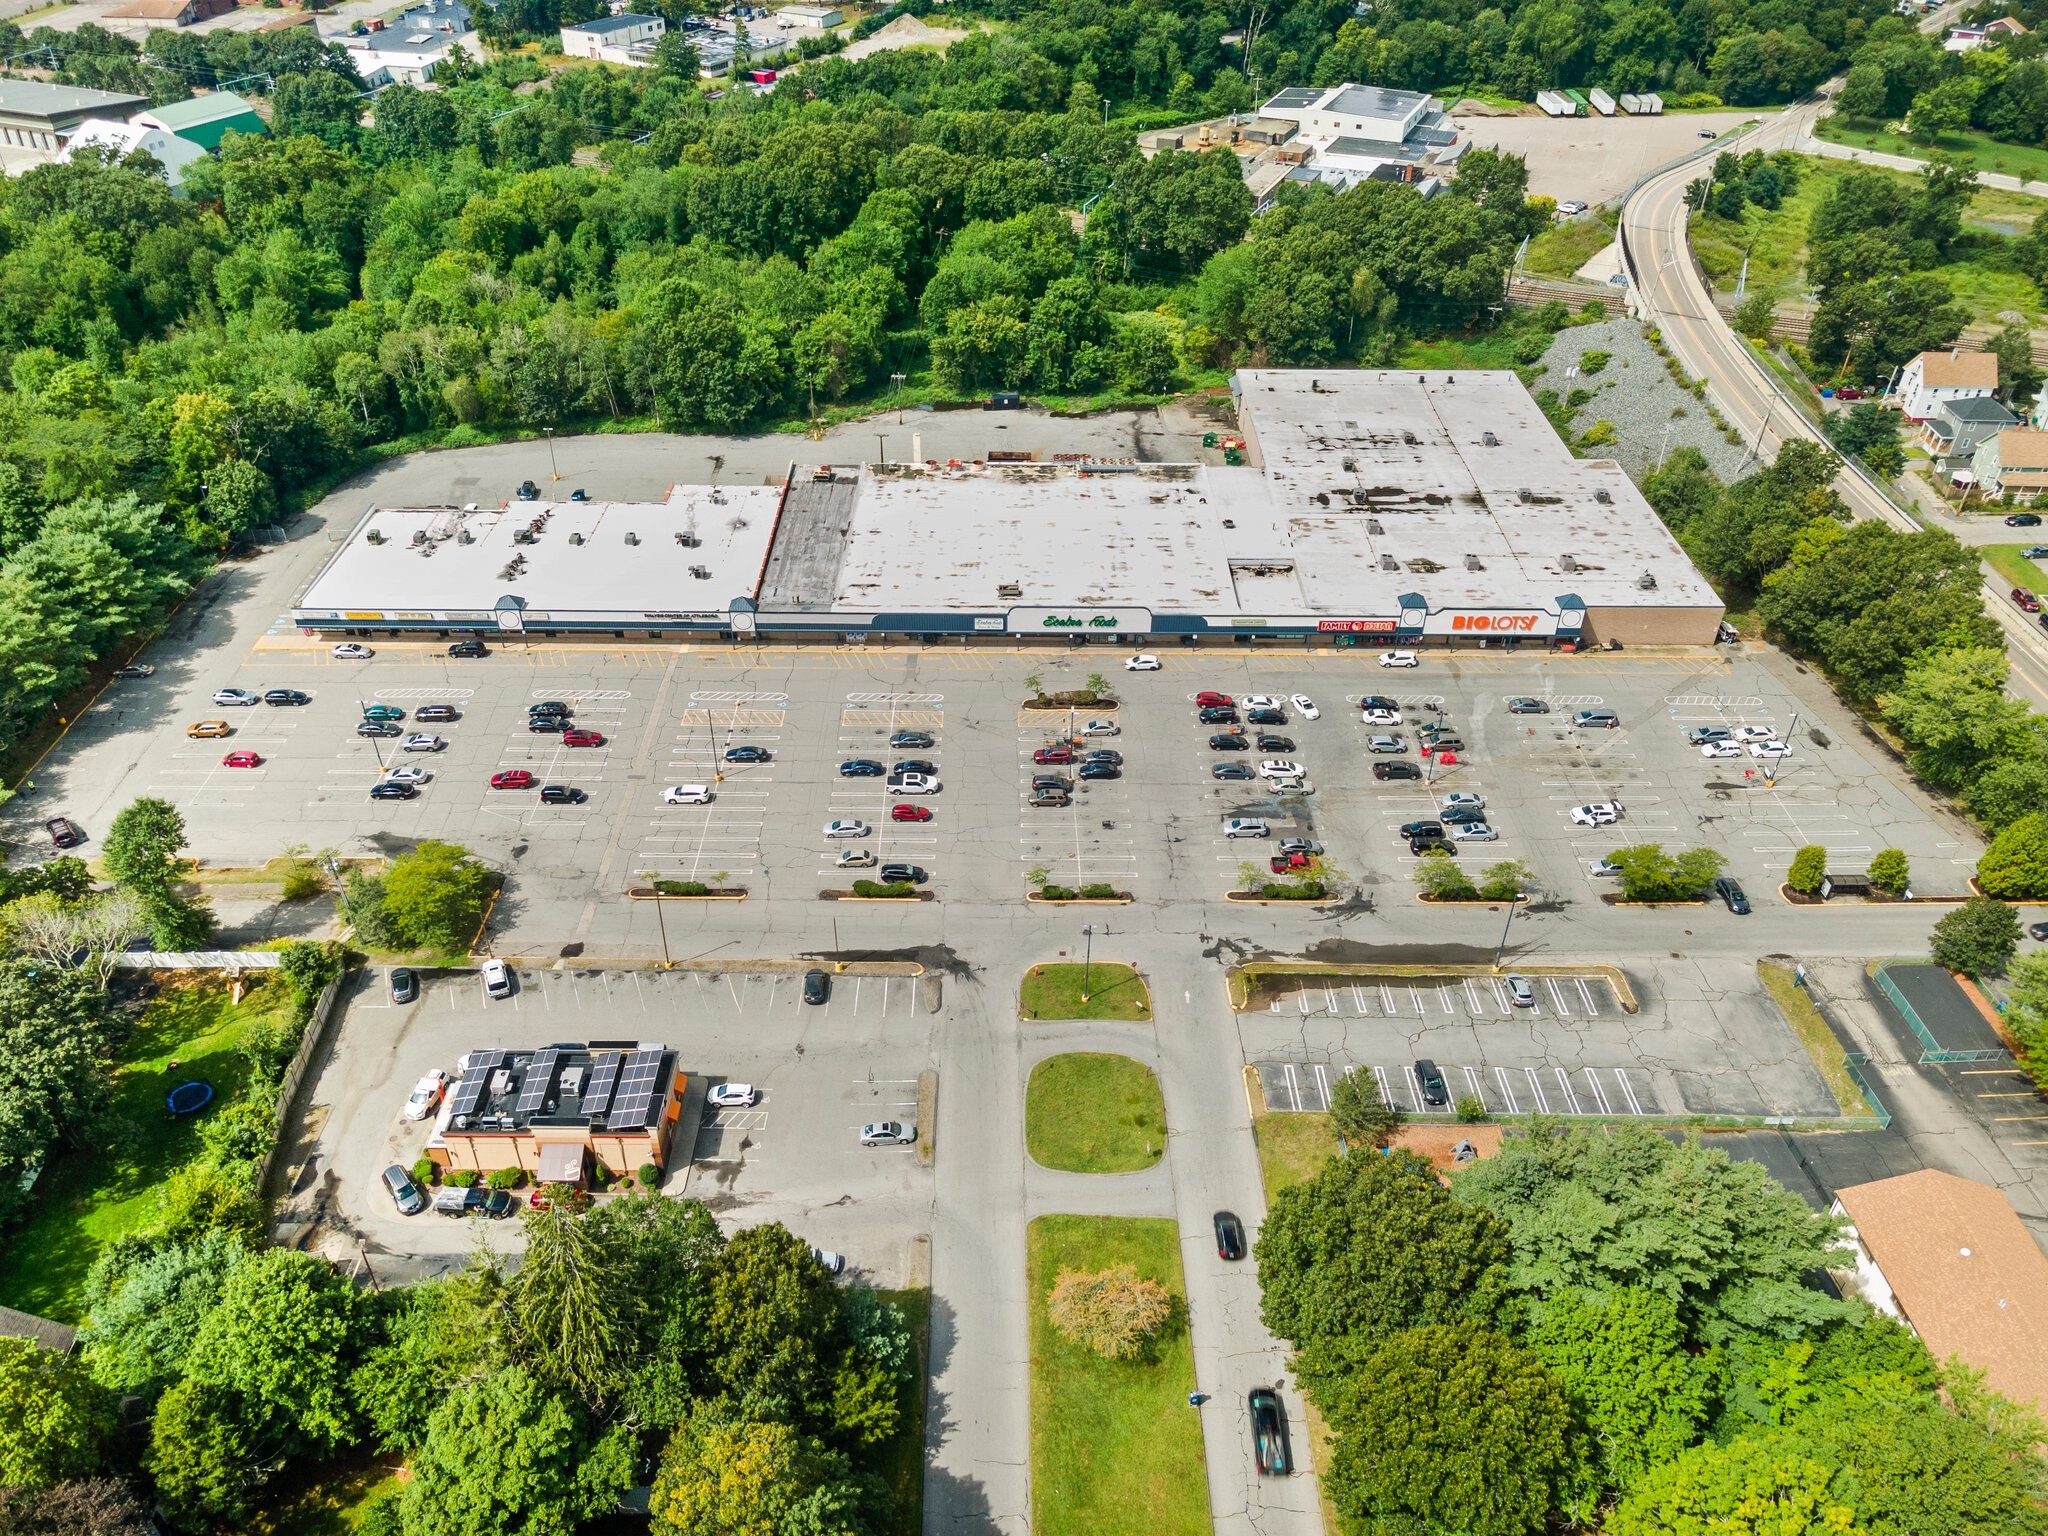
[[688, 540], [572, 1079], [1389, 563], [1489, 439], [631, 537], [501, 1082], [1524, 495], [1604, 496], [1410, 439], [375, 535], [701, 572], [1230, 522], [1350, 466], [575, 538], [1009, 590], [1567, 563], [1473, 563], [419, 537], [1647, 582], [465, 537], [1372, 525]]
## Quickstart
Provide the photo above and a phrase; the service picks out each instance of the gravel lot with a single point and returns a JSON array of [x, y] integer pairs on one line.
[[1595, 158], [1637, 393]]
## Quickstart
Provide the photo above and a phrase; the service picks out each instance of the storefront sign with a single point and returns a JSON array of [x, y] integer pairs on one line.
[[1354, 626], [1080, 621], [1522, 622], [362, 615], [987, 623]]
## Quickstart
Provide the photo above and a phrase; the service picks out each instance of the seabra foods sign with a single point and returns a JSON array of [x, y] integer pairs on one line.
[[1073, 621], [1511, 622], [1100, 621]]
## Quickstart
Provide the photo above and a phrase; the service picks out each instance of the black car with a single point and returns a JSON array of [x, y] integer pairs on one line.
[[494, 1203], [1422, 829], [1229, 1236], [1265, 717], [468, 648], [561, 794], [1429, 1078], [1225, 742], [1731, 896], [550, 707], [1104, 755], [1218, 714], [860, 768], [1462, 816], [2024, 520], [1396, 771], [404, 985], [1269, 743], [1269, 1433], [527, 491], [2037, 930], [579, 494], [1100, 771], [1527, 706], [393, 792], [1231, 771], [746, 754], [547, 725], [1421, 845], [436, 712], [1058, 781], [817, 987], [380, 728], [909, 741], [902, 874], [1377, 701], [287, 696], [917, 765]]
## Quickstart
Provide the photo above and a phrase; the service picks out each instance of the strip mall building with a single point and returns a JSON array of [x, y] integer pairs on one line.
[[1376, 508]]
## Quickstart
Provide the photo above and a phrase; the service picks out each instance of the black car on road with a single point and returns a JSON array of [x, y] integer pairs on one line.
[[1731, 896], [1269, 1433], [1229, 1236], [468, 648]]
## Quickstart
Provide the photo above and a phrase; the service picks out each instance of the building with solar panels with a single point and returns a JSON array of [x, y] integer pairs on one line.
[[553, 1110]]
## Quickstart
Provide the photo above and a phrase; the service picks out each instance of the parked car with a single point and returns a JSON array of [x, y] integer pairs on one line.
[[430, 714], [1731, 895], [468, 649], [732, 1096], [1269, 743], [1225, 741], [1769, 749], [861, 768], [497, 979], [550, 707], [1464, 800], [382, 712], [1426, 828], [1604, 813], [887, 1133], [846, 827], [2024, 520], [1095, 771], [1571, 207], [832, 1263], [1216, 714], [203, 729], [686, 794], [1527, 706], [286, 697], [1700, 735], [1229, 1236], [405, 986], [913, 784], [392, 789], [496, 1204], [1748, 733], [422, 741], [1209, 698], [242, 760], [1520, 993], [902, 874], [1096, 728], [1429, 1078], [1596, 719], [1721, 749], [236, 696], [1474, 832], [2026, 599], [582, 738], [527, 491], [405, 774], [1306, 707], [817, 987], [379, 728], [1399, 659], [1232, 771], [512, 778], [1441, 740], [547, 725], [910, 741], [910, 813], [1142, 663], [426, 1093], [1245, 826], [1396, 771], [134, 671], [404, 1193], [1270, 1447], [1104, 755], [1280, 768], [350, 651], [1603, 869], [1300, 845], [748, 755], [1461, 816], [64, 832], [561, 794], [1049, 799], [854, 858], [921, 765], [1420, 846], [1265, 717], [1053, 755]]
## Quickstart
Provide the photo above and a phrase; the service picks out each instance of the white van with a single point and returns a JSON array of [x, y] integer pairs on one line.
[[497, 979]]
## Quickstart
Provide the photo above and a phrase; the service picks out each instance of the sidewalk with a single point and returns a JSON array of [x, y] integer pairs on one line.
[[1808, 144]]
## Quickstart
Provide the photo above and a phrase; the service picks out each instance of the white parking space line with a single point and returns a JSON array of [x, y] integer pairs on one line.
[[1379, 1077], [1564, 1081], [1635, 1105], [1593, 1082], [1536, 1090], [1507, 1090], [1586, 995], [1557, 996]]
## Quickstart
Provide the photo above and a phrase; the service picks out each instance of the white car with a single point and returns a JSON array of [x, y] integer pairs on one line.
[[1142, 664], [497, 978], [686, 794], [1602, 869], [1473, 832], [835, 1263], [407, 775], [1306, 707], [846, 829], [1464, 800], [1385, 744], [236, 696], [1292, 784], [1245, 826], [887, 1133], [1280, 768], [351, 653], [1399, 659], [426, 1093], [1571, 207], [1720, 749], [1259, 701], [1381, 717], [1749, 733], [1604, 814], [1102, 728], [1769, 749], [423, 742], [855, 858], [732, 1096], [913, 784]]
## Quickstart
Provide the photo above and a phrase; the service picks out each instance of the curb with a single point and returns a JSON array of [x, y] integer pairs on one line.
[[1859, 903], [908, 897], [646, 895], [1468, 901], [1079, 901], [1245, 898], [927, 1117]]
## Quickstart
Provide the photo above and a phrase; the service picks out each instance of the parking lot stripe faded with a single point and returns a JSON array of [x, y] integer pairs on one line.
[[1536, 1091], [1507, 1090], [1564, 1082]]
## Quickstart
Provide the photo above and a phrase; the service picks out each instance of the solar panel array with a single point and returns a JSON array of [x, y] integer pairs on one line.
[[639, 1080], [604, 1078], [540, 1080], [476, 1080]]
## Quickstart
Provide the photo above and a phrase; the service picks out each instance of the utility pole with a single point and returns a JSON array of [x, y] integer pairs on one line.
[[555, 473], [661, 921], [897, 380], [1088, 958], [1502, 948]]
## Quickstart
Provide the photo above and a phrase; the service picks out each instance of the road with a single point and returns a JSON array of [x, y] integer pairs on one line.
[[1669, 291]]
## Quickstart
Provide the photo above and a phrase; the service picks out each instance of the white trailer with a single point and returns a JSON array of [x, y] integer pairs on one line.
[[1602, 102], [1651, 104], [1554, 104]]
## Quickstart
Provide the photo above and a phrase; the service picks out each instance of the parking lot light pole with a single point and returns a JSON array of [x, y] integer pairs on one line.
[[661, 921], [1087, 958], [552, 470], [1502, 948]]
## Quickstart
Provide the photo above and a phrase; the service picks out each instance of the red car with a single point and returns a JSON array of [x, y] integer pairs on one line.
[[902, 812], [2026, 599], [1851, 393], [512, 778], [242, 760], [1053, 755], [1208, 700], [582, 738]]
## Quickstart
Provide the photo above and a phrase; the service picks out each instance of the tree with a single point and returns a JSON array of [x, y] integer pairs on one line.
[[1869, 432], [57, 1037], [1622, 1361], [142, 852], [728, 1476], [1809, 868], [281, 1340], [1760, 1485], [1450, 1428], [207, 1461], [1756, 317], [1976, 938], [770, 1321], [1954, 713], [435, 896], [2015, 866], [87, 935], [1648, 873], [1180, 207], [53, 1416], [1362, 1117], [1890, 872], [1942, 108], [1112, 1312], [2017, 375], [145, 1308], [100, 1506], [1596, 1212], [1369, 1246], [505, 1454], [1506, 880], [569, 1305], [1442, 878]]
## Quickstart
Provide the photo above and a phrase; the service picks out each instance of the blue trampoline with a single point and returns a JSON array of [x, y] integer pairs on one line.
[[189, 1098]]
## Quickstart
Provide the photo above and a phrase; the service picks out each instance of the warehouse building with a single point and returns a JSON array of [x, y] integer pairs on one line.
[[1375, 508]]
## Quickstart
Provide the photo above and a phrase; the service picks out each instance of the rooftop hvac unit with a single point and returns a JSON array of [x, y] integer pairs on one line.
[[1647, 582], [701, 572], [575, 538], [1411, 439], [632, 538], [1009, 590], [1489, 439], [1604, 496], [572, 1080], [1524, 495], [419, 537], [1372, 525], [465, 537], [1567, 563], [501, 1081], [1389, 563], [375, 535], [1472, 563], [688, 540]]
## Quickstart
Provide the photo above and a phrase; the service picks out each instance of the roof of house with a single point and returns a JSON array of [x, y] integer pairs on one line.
[[26, 1325], [1964, 1271], [2023, 445], [1975, 408], [2006, 24], [214, 107], [625, 21], [1955, 369]]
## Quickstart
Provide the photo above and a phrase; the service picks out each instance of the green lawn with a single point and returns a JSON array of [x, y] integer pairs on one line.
[[1115, 1448], [1972, 149], [86, 1199], [329, 1499], [2014, 567], [900, 1460], [1091, 1112], [1114, 992], [1813, 1032], [1292, 1148], [1565, 247]]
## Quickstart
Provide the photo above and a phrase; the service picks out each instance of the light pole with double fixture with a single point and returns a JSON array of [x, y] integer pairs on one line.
[[1087, 958]]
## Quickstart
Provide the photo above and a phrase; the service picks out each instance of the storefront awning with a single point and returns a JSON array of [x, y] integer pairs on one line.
[[561, 1163]]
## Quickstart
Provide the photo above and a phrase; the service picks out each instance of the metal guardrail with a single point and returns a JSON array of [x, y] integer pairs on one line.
[[1857, 1061]]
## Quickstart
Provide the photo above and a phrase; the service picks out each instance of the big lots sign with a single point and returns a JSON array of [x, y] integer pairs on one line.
[[1508, 622]]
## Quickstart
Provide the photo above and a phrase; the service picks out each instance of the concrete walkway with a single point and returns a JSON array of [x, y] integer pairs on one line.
[[1808, 144]]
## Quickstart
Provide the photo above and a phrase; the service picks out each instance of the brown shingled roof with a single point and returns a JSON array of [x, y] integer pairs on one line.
[[1967, 1276], [1955, 369]]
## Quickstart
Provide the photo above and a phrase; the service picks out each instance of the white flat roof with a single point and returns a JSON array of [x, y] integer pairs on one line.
[[443, 572]]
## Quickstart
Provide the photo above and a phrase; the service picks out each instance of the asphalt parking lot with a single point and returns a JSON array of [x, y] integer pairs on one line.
[[822, 1071], [1705, 1040]]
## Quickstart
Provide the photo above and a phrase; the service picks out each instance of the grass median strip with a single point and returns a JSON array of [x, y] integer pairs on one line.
[[1829, 1058], [1115, 1448], [1113, 992], [1292, 1148], [1091, 1112]]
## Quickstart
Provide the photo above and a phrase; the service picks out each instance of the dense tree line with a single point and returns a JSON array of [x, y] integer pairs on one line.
[[1899, 74], [1607, 1327]]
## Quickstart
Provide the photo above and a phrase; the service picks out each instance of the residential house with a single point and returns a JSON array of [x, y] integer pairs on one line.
[[627, 38], [1963, 40], [1955, 428], [2012, 463], [59, 1338], [97, 135], [2005, 26], [35, 114], [205, 120], [550, 1111], [1950, 375], [1949, 1258]]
